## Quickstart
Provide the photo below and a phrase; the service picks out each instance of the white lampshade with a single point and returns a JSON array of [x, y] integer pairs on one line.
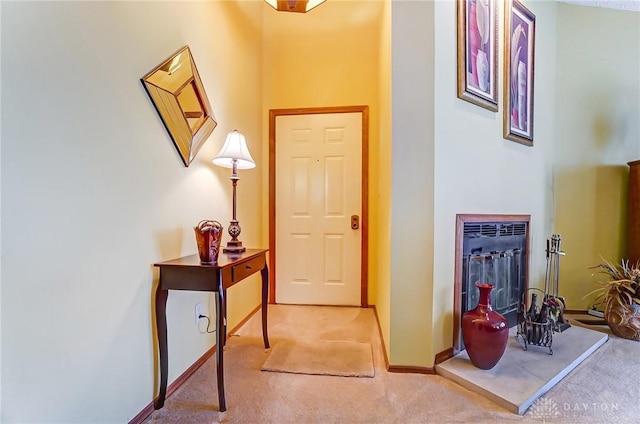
[[235, 147]]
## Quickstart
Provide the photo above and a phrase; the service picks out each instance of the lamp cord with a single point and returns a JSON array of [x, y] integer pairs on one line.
[[208, 323]]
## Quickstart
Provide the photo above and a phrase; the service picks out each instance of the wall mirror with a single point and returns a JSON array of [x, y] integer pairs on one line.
[[178, 95]]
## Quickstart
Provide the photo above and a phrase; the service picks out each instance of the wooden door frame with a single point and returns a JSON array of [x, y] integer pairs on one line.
[[364, 222]]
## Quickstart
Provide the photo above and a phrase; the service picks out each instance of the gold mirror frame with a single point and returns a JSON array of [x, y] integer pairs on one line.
[[178, 95]]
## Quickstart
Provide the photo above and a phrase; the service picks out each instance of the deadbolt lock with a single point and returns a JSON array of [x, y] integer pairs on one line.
[[355, 222]]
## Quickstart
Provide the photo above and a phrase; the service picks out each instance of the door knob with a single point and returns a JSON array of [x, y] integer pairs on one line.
[[355, 222]]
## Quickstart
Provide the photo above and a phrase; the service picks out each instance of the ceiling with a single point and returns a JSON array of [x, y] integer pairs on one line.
[[631, 5]]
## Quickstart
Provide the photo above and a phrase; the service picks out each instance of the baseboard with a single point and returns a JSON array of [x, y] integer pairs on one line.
[[142, 415], [384, 348], [440, 357], [443, 356], [411, 369], [243, 322], [148, 410]]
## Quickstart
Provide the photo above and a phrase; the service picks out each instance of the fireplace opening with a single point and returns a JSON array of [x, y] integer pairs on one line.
[[490, 249]]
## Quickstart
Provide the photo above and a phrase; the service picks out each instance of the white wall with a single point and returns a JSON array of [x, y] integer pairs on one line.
[[412, 180], [479, 172], [598, 132], [449, 157], [93, 193]]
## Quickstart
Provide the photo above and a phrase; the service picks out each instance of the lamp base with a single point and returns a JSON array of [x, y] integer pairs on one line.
[[234, 246]]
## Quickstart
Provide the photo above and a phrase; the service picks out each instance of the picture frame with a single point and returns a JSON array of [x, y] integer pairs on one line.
[[177, 92], [478, 52], [519, 69]]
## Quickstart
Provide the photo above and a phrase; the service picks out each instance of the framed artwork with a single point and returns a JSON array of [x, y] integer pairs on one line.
[[176, 90], [519, 46], [478, 52]]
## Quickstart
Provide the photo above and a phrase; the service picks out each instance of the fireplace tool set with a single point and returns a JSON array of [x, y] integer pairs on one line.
[[536, 324]]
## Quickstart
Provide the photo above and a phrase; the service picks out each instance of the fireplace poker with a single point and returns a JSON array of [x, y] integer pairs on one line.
[[553, 268]]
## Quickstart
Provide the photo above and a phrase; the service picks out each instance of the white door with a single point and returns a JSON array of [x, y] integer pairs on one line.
[[319, 189]]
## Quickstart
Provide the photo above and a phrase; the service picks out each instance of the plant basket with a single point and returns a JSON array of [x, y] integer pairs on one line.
[[624, 320], [621, 295]]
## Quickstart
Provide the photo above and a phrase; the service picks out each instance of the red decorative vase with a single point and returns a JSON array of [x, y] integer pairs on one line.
[[484, 331]]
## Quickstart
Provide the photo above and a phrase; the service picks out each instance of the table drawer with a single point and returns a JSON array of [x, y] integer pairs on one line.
[[245, 269]]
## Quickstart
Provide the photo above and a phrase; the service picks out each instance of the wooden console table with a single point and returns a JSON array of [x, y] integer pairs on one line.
[[188, 274]]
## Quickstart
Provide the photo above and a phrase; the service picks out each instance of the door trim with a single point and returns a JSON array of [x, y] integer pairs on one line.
[[364, 241]]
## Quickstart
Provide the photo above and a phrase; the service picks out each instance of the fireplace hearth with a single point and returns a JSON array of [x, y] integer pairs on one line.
[[534, 371], [494, 249]]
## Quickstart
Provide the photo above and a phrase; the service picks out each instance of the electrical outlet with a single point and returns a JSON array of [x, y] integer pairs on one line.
[[199, 311]]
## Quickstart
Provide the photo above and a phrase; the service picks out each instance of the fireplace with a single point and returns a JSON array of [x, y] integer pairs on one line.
[[491, 249], [496, 247]]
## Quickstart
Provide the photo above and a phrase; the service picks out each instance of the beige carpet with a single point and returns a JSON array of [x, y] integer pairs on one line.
[[321, 357], [603, 389]]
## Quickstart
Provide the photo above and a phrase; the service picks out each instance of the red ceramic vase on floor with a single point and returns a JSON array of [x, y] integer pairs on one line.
[[484, 331]]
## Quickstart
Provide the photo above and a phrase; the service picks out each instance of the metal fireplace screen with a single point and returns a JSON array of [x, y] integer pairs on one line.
[[495, 252]]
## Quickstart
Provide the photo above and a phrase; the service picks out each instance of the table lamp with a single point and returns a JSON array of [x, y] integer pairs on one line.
[[235, 155]]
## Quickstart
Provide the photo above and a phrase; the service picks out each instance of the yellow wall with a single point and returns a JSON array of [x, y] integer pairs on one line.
[[328, 57], [380, 194], [599, 132], [94, 192]]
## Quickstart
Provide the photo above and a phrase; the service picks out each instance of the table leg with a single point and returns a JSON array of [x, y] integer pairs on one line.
[[265, 301], [161, 328], [220, 334], [224, 323]]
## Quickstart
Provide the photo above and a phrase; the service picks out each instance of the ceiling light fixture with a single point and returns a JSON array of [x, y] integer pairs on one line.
[[300, 6]]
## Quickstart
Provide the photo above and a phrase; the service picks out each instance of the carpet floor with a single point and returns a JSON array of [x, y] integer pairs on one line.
[[605, 388]]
